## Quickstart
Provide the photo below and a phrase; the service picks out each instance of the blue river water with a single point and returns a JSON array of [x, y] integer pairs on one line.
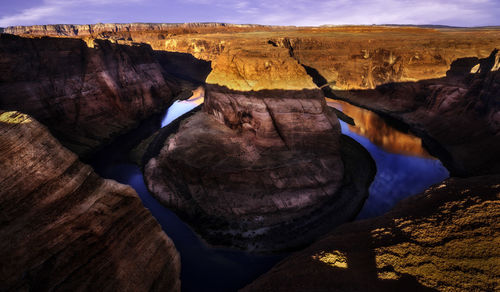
[[207, 268], [398, 176]]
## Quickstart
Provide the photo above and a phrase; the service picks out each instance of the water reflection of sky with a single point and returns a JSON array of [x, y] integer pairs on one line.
[[398, 176], [179, 107]]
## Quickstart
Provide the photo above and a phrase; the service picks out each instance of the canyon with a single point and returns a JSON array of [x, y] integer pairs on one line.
[[262, 165]]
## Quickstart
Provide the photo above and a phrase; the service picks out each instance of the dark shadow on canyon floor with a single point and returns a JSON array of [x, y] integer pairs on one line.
[[184, 66]]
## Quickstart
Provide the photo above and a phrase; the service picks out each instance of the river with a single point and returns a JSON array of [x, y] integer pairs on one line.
[[404, 168]]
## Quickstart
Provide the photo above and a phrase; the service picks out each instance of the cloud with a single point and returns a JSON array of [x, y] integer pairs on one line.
[[31, 15], [51, 9]]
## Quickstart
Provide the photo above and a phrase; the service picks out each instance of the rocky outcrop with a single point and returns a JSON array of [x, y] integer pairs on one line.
[[446, 238], [458, 116], [254, 169], [271, 68], [62, 227], [85, 95]]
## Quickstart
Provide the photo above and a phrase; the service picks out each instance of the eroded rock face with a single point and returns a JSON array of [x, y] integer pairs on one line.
[[444, 239], [89, 29], [457, 116], [254, 169], [268, 68], [85, 95], [65, 228]]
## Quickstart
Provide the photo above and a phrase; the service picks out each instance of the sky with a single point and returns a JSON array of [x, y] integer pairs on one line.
[[272, 12]]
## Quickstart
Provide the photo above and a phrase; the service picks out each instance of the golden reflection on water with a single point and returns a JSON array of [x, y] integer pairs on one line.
[[198, 96], [373, 127]]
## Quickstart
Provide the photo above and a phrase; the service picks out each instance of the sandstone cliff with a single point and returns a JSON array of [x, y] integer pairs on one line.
[[99, 28], [64, 228], [254, 169], [445, 239], [85, 95], [458, 116]]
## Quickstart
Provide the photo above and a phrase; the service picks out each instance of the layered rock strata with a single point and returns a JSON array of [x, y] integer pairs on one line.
[[85, 95], [64, 228], [254, 169], [73, 30], [445, 239], [458, 116]]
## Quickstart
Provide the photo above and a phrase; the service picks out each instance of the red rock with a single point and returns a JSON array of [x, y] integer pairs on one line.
[[443, 239], [254, 169], [62, 227], [458, 116], [85, 95]]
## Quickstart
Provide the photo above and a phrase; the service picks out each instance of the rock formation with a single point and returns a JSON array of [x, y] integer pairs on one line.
[[458, 116], [269, 68], [73, 30], [446, 238], [85, 95], [254, 169], [65, 228]]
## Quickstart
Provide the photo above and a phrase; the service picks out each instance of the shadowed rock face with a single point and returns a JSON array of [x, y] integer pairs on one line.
[[457, 116], [444, 239], [65, 228], [254, 169], [85, 95]]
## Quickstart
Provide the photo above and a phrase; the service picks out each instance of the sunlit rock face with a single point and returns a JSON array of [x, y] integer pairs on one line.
[[444, 239], [267, 68], [84, 95], [458, 116], [64, 228], [254, 169], [365, 57]]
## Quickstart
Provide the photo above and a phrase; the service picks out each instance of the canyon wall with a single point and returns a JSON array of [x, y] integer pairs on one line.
[[444, 239], [73, 30], [65, 228], [85, 95], [458, 115]]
